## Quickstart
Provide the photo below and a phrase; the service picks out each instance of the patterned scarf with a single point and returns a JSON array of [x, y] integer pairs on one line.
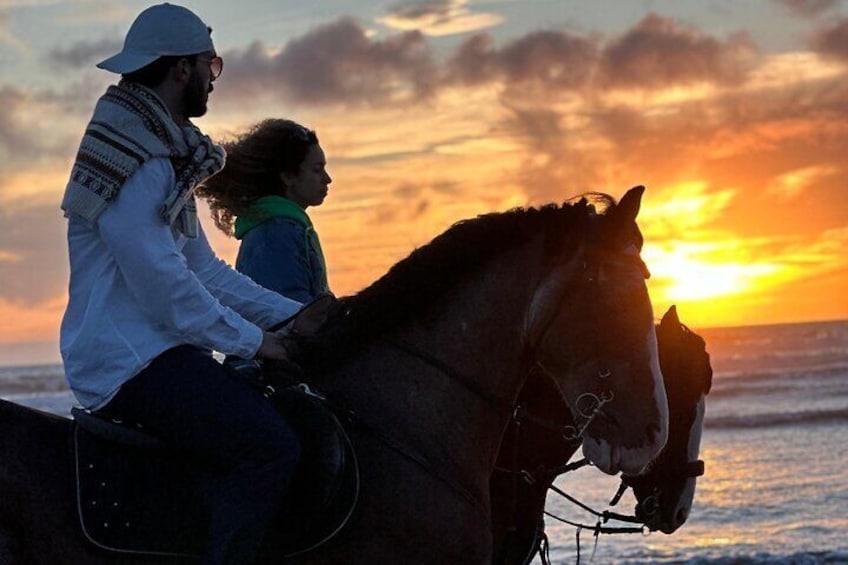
[[130, 126]]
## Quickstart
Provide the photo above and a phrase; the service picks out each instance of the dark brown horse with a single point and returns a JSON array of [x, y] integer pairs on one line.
[[537, 447], [431, 358]]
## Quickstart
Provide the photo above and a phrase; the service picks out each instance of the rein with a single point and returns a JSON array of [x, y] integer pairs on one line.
[[521, 415], [692, 469]]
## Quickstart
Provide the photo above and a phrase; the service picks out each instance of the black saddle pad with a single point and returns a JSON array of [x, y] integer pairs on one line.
[[137, 496]]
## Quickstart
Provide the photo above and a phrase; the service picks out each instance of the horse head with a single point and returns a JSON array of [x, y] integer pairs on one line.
[[590, 325], [664, 492]]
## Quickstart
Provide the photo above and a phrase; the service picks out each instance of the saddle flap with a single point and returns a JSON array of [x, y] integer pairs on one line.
[[137, 499], [324, 458], [113, 431], [132, 498]]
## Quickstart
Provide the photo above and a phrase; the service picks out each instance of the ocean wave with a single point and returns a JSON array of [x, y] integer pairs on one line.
[[789, 378], [815, 558], [769, 420], [31, 381], [14, 372], [726, 369]]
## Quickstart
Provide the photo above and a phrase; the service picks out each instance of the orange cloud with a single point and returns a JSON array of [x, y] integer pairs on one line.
[[792, 184], [438, 17], [22, 323]]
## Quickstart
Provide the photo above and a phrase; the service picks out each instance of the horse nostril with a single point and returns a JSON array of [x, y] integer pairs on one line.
[[681, 516]]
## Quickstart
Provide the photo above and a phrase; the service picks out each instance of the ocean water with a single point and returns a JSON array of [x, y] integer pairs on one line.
[[775, 447]]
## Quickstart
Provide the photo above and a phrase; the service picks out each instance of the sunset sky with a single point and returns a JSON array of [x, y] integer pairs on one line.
[[733, 113]]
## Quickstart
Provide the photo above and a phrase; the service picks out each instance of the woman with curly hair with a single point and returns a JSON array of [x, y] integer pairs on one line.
[[274, 172]]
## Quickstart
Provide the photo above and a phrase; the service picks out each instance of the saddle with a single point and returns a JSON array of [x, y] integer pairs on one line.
[[123, 476]]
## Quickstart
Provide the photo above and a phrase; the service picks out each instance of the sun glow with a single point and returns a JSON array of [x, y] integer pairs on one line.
[[690, 278]]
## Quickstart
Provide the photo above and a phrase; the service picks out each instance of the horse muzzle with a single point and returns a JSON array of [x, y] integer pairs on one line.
[[614, 459]]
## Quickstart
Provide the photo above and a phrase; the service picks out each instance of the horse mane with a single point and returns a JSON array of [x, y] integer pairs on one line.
[[414, 285]]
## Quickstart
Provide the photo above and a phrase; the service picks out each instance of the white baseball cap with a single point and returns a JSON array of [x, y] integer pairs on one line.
[[164, 29]]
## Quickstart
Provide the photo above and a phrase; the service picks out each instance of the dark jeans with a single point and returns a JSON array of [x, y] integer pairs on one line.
[[190, 400]]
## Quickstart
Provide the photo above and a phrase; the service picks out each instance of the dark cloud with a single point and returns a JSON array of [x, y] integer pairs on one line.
[[407, 190], [336, 63], [657, 52], [449, 188], [832, 41], [660, 52], [33, 254], [548, 59], [807, 8], [340, 61], [340, 64], [420, 209], [83, 53]]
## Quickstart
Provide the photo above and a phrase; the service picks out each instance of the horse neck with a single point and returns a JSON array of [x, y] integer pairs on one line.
[[477, 331], [479, 336]]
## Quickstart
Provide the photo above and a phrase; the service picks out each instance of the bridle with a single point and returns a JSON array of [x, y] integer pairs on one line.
[[650, 505], [647, 509]]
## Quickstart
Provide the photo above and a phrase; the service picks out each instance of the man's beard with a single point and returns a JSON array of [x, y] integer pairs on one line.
[[195, 96]]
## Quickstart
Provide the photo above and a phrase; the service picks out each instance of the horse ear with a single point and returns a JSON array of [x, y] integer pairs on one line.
[[622, 219], [671, 318], [628, 206], [668, 331]]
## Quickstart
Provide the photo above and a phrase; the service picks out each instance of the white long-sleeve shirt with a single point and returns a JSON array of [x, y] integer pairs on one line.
[[137, 289]]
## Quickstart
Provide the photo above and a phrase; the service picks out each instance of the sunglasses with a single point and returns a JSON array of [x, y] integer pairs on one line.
[[216, 66]]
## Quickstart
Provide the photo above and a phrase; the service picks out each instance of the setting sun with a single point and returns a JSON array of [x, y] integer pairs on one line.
[[694, 280]]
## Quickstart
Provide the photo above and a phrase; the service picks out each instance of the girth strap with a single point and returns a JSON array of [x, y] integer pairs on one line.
[[398, 447]]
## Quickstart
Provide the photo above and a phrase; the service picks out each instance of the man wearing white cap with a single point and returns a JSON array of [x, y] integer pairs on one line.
[[148, 298]]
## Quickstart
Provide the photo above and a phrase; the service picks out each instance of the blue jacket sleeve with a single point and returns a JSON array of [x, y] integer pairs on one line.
[[274, 255]]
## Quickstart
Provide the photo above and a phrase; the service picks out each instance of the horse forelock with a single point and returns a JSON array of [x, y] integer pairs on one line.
[[416, 285]]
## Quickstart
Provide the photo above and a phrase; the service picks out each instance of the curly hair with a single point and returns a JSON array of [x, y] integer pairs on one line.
[[255, 160]]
